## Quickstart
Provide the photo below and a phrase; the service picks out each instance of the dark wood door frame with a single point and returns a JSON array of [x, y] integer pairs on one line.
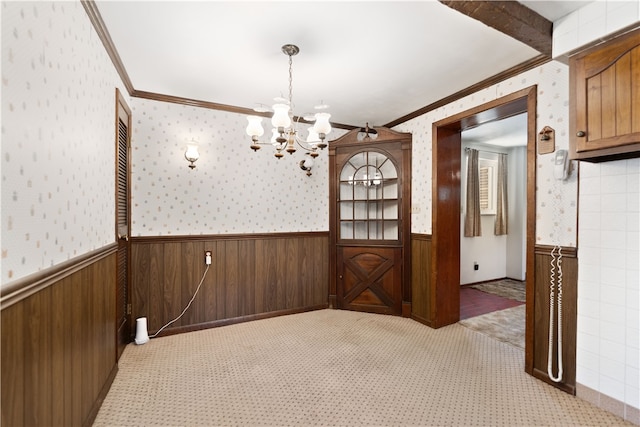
[[445, 258]]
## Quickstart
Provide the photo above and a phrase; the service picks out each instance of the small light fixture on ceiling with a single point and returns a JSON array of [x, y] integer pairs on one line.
[[192, 154], [285, 136]]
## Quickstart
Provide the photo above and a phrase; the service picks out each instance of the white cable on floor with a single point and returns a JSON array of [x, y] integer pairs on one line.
[[188, 305]]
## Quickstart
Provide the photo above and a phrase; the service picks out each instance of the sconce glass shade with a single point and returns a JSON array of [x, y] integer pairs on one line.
[[308, 163], [322, 125], [192, 155], [281, 117], [254, 128]]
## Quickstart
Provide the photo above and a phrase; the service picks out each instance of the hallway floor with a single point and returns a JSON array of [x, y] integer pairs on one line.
[[475, 303]]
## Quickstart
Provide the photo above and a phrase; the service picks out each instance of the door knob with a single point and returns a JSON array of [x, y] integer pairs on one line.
[[340, 277], [580, 134], [123, 237]]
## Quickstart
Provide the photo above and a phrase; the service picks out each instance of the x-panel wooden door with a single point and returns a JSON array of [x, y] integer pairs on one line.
[[370, 279]]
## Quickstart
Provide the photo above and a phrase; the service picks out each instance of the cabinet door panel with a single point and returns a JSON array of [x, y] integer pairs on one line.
[[635, 91], [605, 100], [622, 100]]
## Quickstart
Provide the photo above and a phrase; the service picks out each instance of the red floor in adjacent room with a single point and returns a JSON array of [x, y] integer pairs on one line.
[[475, 303]]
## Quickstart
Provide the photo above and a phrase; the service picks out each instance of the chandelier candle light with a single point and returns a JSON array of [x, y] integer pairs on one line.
[[284, 134]]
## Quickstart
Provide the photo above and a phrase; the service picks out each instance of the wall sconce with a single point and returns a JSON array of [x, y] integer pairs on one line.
[[306, 165], [192, 154]]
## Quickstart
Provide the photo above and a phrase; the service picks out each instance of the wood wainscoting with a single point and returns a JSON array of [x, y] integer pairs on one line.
[[59, 342], [251, 277], [539, 320], [421, 288], [537, 329]]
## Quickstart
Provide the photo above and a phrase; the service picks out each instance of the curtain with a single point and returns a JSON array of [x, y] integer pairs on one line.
[[501, 224], [472, 216]]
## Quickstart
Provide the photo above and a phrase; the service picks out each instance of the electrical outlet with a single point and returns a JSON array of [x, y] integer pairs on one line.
[[207, 257], [476, 266]]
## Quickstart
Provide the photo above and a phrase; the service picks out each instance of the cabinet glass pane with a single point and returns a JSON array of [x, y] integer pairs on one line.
[[346, 210], [391, 190], [390, 209], [360, 210], [368, 193], [391, 230], [346, 192], [360, 230], [375, 230], [388, 170], [375, 210], [346, 229], [360, 192]]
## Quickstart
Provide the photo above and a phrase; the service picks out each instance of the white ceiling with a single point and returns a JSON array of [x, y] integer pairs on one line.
[[507, 133], [370, 61]]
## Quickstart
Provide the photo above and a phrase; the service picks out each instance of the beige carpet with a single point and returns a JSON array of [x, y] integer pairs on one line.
[[338, 368], [508, 288]]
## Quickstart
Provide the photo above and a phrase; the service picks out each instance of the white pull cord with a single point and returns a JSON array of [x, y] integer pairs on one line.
[[556, 261], [188, 305]]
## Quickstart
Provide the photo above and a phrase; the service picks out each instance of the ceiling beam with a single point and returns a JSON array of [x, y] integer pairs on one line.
[[511, 18]]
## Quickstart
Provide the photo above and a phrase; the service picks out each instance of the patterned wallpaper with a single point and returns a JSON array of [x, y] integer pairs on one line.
[[556, 206], [232, 190], [57, 153], [58, 96]]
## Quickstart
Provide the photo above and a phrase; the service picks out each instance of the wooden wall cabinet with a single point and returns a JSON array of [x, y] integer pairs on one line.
[[605, 100], [370, 221]]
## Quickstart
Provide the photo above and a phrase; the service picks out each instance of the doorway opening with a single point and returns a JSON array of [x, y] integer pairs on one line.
[[492, 263], [447, 191]]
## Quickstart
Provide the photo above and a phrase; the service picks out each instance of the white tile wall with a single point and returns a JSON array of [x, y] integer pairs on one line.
[[592, 22], [608, 351]]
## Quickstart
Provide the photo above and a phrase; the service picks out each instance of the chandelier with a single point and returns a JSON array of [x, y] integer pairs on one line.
[[285, 136]]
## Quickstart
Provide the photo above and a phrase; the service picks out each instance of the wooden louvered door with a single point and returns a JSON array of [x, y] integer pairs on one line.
[[123, 294]]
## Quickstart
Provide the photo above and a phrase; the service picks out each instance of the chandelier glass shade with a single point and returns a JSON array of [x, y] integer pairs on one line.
[[285, 136]]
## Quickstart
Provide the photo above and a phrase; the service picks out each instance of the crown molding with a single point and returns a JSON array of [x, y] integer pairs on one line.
[[497, 78], [98, 24]]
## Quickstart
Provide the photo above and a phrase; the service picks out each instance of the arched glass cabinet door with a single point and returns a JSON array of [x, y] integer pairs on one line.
[[368, 204]]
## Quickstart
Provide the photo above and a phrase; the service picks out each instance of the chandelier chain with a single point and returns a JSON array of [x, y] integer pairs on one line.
[[290, 82]]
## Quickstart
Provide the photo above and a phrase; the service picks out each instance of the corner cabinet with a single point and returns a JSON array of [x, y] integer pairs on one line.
[[370, 221], [605, 100]]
